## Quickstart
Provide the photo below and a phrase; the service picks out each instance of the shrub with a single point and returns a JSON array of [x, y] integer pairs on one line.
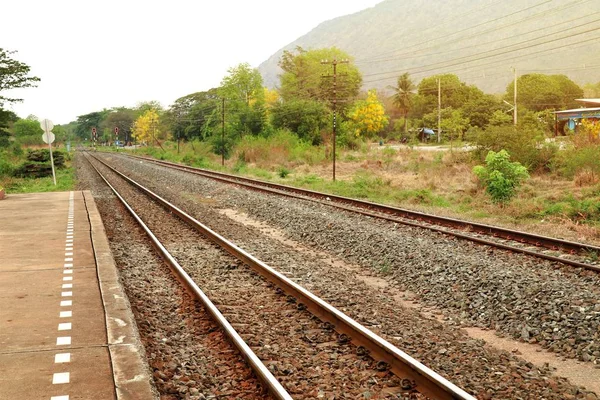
[[6, 168], [581, 158], [283, 172], [500, 177], [524, 145]]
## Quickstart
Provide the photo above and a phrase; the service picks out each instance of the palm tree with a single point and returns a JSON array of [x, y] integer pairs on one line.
[[402, 96]]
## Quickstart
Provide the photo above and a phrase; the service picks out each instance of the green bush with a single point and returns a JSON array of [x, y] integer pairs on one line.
[[283, 172], [500, 177], [6, 168], [526, 146], [577, 160]]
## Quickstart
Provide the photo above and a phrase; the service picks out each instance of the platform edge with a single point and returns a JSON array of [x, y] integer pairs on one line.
[[132, 377]]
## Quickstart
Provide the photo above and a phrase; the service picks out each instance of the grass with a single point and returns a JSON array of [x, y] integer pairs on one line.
[[65, 180], [12, 157]]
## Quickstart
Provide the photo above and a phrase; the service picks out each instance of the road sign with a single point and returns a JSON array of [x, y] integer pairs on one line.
[[48, 137], [116, 130], [47, 125]]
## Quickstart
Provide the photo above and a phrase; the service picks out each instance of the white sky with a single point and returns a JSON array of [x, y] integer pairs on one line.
[[100, 54]]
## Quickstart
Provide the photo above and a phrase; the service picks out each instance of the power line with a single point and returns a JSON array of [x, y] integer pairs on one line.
[[486, 57], [478, 25], [494, 41]]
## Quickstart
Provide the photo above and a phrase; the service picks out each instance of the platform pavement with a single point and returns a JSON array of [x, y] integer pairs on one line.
[[66, 329]]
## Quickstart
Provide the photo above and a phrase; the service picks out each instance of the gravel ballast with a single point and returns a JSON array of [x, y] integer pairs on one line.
[[309, 358], [189, 356], [518, 295]]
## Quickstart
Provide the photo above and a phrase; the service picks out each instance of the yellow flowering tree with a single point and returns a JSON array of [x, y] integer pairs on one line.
[[368, 116], [144, 127]]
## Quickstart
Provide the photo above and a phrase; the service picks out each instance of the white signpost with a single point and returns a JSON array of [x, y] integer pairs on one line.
[[48, 137]]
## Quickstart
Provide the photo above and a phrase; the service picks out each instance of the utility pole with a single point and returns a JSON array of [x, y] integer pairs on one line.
[[335, 63], [515, 98], [178, 128], [439, 110], [223, 131]]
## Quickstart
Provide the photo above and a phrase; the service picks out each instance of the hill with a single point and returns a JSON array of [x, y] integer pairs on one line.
[[479, 41]]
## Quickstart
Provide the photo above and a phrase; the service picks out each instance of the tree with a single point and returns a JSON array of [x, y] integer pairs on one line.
[[121, 118], [242, 84], [368, 116], [569, 91], [480, 110], [13, 75], [86, 122], [500, 118], [303, 73], [454, 93], [194, 116], [243, 90], [403, 94], [6, 118], [144, 106], [145, 126], [27, 127], [539, 92], [592, 90], [453, 122], [304, 117]]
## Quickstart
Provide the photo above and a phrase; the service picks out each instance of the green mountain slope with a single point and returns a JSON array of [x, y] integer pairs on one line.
[[478, 40]]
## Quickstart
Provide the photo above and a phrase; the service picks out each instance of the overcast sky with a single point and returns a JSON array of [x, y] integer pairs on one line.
[[102, 54]]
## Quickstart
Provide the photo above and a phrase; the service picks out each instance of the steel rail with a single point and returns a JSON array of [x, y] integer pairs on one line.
[[262, 372], [391, 213], [427, 381]]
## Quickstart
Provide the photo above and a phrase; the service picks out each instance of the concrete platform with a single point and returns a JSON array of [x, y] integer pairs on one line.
[[66, 329]]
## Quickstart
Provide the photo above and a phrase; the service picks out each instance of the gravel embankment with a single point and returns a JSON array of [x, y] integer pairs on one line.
[[189, 356], [304, 354], [518, 295]]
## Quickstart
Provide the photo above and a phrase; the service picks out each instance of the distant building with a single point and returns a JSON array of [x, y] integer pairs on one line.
[[572, 118]]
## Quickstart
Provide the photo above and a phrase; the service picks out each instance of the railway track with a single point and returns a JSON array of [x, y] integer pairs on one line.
[[553, 249], [323, 327]]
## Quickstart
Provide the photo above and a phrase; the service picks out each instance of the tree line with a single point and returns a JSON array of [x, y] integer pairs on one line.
[[302, 104]]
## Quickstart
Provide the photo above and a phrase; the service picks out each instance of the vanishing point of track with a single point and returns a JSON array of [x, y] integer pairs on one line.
[[522, 242], [426, 381]]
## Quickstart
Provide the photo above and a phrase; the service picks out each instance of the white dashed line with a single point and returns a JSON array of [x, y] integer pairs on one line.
[[66, 303], [67, 278], [66, 326], [63, 340], [62, 358], [66, 294], [60, 377], [68, 265], [67, 286], [66, 314], [59, 398], [67, 271], [68, 254]]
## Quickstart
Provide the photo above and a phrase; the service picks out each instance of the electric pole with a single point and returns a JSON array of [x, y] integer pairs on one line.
[[223, 131], [439, 110], [178, 128], [515, 98], [335, 63]]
